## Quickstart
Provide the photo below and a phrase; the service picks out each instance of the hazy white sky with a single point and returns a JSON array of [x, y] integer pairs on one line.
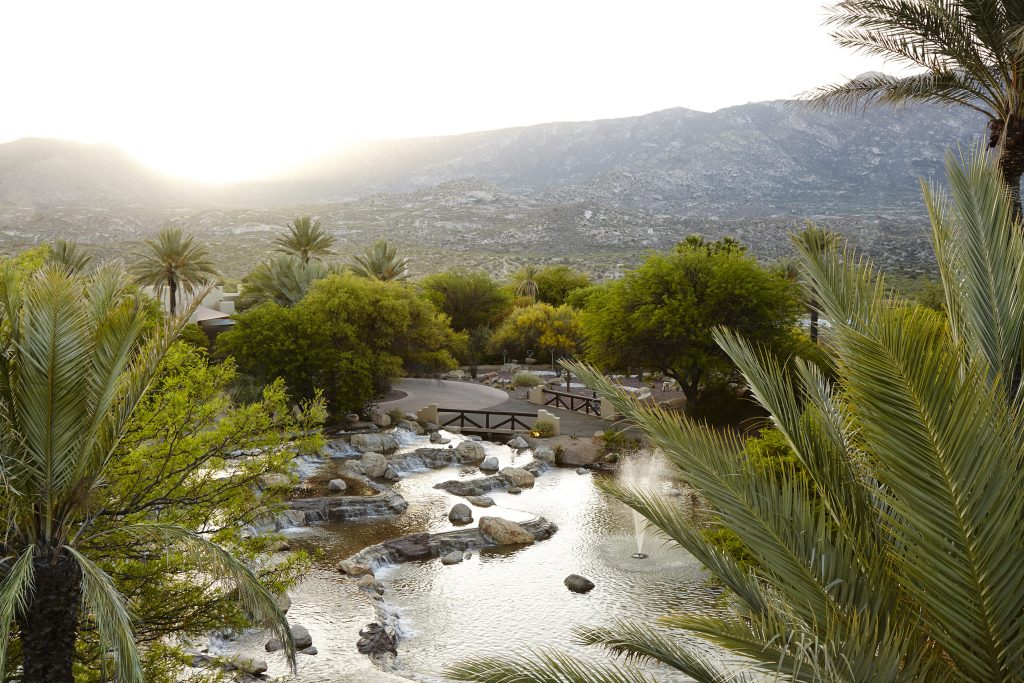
[[224, 90]]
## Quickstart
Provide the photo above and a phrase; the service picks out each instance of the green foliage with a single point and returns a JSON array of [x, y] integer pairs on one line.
[[618, 442], [69, 255], [173, 261], [526, 379], [556, 283], [349, 337], [543, 430], [381, 262], [471, 299], [524, 282], [771, 453], [396, 415], [662, 315], [306, 240], [284, 280], [541, 328], [579, 298], [194, 336]]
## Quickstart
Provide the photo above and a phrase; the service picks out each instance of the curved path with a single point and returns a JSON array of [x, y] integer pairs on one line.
[[447, 394]]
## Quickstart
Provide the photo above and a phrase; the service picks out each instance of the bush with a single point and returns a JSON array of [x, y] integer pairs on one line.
[[543, 430], [396, 415], [616, 441], [526, 379]]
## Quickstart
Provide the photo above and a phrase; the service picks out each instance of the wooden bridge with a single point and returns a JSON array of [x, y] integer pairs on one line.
[[591, 405], [485, 421]]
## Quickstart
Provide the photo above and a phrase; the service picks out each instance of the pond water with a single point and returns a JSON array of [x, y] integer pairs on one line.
[[499, 601]]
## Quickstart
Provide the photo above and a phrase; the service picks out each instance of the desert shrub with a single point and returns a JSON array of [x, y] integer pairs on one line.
[[526, 379], [543, 430]]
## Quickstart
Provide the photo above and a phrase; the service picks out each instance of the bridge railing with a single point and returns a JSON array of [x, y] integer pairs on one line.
[[485, 420], [591, 405]]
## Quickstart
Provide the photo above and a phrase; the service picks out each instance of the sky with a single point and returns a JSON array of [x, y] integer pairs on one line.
[[224, 91]]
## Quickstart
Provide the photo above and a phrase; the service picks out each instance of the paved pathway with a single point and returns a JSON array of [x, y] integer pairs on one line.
[[447, 394]]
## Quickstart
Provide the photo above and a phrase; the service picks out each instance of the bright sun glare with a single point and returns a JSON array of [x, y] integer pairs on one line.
[[231, 90]]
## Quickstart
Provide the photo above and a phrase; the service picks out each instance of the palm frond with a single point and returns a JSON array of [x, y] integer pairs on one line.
[[543, 666], [14, 592]]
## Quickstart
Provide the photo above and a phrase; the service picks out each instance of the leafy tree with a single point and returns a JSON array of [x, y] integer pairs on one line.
[[969, 54], [76, 368], [174, 261], [894, 555], [284, 280], [556, 283], [69, 255], [470, 299], [662, 314], [381, 262], [348, 336], [540, 328], [524, 282], [306, 240]]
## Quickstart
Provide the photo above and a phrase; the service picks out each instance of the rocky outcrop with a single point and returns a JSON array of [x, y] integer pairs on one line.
[[384, 503], [375, 443], [504, 532], [509, 478]]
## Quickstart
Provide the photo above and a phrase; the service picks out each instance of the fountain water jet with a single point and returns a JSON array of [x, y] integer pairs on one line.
[[643, 472]]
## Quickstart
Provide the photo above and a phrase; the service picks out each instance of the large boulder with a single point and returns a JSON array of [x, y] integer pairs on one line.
[[301, 637], [336, 485], [373, 464], [354, 569], [247, 665], [544, 453], [470, 451], [490, 464], [578, 584], [460, 514], [518, 443], [291, 518], [517, 476], [410, 426], [375, 443], [504, 532], [411, 547], [376, 640]]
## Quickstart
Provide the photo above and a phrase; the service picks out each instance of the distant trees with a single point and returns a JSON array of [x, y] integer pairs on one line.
[[381, 262], [470, 299], [969, 53], [662, 315], [542, 328], [555, 283], [174, 262], [305, 240], [349, 336]]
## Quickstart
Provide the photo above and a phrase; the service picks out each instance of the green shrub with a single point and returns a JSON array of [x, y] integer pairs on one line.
[[769, 452], [396, 415], [526, 379], [615, 441], [543, 430]]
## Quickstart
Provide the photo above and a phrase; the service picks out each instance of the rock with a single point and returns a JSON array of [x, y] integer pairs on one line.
[[454, 557], [291, 518], [467, 555], [544, 453], [410, 426], [677, 404], [280, 546], [336, 485], [517, 443], [368, 584], [581, 470], [490, 464], [309, 651], [375, 443], [381, 419], [578, 584], [470, 451], [354, 569], [351, 418], [476, 437], [431, 427], [460, 514], [504, 532], [411, 547], [481, 501], [473, 487], [247, 664], [376, 640], [284, 602], [517, 476], [457, 375], [373, 464], [514, 490], [411, 417], [274, 480], [391, 474], [435, 437], [273, 645], [301, 637]]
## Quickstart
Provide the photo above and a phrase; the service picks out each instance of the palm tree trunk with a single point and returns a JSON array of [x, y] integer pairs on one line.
[[814, 323], [173, 285], [1008, 138], [49, 625]]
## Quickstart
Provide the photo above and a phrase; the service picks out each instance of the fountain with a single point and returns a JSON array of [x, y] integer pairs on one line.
[[643, 472]]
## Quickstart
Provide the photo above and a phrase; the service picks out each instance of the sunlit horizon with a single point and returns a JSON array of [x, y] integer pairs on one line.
[[235, 91]]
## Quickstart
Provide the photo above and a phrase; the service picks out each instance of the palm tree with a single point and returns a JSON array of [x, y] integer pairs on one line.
[[381, 262], [283, 280], [970, 54], [175, 262], [305, 239], [77, 362], [69, 255], [891, 551], [525, 281], [817, 240]]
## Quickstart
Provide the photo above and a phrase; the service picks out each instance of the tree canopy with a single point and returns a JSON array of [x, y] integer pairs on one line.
[[471, 299], [173, 261], [663, 314], [541, 328], [306, 240], [556, 283]]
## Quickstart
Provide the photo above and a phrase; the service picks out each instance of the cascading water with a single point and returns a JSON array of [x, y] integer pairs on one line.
[[643, 472]]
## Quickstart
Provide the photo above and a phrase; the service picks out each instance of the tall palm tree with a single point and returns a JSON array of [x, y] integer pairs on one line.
[[174, 261], [306, 239], [525, 281], [817, 240], [69, 255], [970, 53], [381, 262], [891, 551], [76, 363], [283, 280]]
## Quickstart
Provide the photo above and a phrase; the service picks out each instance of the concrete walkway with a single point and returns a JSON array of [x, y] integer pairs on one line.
[[446, 393]]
